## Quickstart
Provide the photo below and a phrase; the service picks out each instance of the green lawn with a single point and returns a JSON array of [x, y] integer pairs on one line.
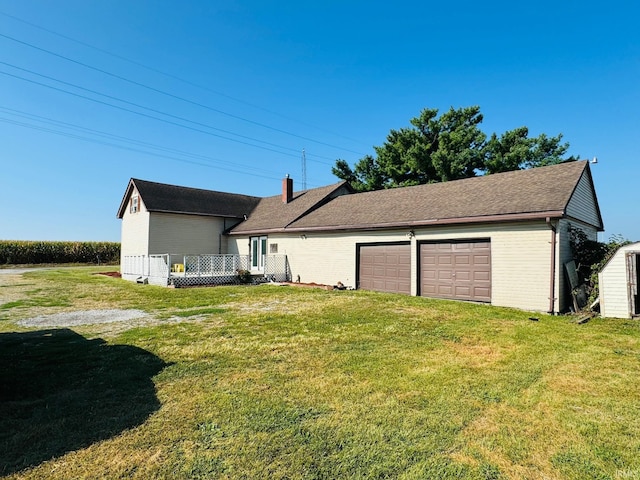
[[292, 382]]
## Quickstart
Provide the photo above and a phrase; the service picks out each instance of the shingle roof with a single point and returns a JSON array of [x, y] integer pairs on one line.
[[534, 193], [160, 197], [272, 214]]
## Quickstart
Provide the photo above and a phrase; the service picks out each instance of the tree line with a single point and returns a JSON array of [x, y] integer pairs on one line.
[[449, 147]]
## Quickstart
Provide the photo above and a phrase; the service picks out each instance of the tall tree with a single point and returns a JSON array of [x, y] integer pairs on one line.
[[449, 147]]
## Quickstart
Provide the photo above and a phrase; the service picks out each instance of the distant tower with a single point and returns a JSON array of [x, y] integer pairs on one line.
[[304, 170]]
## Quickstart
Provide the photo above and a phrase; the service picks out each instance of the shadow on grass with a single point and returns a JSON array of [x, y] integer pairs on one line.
[[60, 392]]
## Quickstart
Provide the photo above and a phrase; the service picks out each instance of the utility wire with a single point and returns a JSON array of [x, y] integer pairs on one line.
[[154, 110], [177, 97], [135, 150], [99, 133], [150, 116], [175, 77]]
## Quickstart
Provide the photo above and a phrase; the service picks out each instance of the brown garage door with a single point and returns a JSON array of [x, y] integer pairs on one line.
[[457, 270], [385, 268]]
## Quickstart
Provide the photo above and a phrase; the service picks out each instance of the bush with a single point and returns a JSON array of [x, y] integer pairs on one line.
[[243, 276], [591, 256], [38, 252]]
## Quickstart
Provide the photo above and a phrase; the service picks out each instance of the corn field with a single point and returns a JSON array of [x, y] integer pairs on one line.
[[36, 252]]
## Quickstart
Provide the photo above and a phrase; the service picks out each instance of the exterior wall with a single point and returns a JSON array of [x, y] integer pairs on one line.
[[520, 253], [612, 281], [184, 234], [582, 205], [135, 231]]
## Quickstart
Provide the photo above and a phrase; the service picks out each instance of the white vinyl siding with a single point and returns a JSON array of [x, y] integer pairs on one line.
[[582, 205], [520, 257], [613, 284], [184, 234], [134, 231]]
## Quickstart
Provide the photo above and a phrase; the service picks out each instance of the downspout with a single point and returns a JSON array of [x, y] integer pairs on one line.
[[552, 290]]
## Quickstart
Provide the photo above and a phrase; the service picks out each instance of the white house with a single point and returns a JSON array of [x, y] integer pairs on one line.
[[500, 239], [618, 283]]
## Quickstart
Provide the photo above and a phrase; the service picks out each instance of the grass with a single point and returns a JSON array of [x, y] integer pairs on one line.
[[286, 382]]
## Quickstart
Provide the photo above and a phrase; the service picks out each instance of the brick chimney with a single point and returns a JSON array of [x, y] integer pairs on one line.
[[287, 189]]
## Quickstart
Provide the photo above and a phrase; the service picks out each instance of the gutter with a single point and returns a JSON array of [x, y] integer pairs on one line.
[[552, 282]]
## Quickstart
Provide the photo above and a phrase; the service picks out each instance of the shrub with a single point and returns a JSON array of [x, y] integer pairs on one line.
[[591, 256], [243, 276]]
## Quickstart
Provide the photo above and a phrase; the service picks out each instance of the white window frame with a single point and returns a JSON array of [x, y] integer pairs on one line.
[[135, 204]]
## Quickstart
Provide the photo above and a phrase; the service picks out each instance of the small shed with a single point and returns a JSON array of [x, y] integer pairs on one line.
[[618, 283]]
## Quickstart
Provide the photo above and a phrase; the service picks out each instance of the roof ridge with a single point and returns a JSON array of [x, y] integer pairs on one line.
[[134, 180]]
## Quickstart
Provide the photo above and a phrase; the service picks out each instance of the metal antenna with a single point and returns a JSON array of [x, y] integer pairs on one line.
[[304, 170]]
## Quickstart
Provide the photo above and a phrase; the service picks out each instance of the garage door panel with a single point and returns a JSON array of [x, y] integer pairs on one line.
[[457, 270], [462, 259], [482, 276], [444, 290], [444, 275], [462, 291], [429, 260], [444, 260], [429, 290], [429, 275], [463, 276], [481, 260], [482, 292], [385, 268]]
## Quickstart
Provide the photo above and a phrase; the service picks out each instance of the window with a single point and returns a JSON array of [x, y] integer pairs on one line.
[[134, 205]]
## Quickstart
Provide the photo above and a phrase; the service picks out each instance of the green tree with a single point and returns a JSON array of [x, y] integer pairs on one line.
[[449, 147]]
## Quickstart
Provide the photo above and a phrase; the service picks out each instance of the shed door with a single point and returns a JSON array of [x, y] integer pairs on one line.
[[633, 271], [456, 270], [385, 268]]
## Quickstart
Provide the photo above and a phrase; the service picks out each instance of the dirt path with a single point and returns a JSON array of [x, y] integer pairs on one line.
[[13, 286]]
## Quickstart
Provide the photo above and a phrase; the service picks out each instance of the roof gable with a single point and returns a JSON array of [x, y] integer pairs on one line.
[[272, 214], [583, 204], [161, 197], [536, 193]]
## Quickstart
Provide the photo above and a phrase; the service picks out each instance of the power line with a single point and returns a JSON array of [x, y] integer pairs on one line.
[[177, 97], [147, 115], [111, 97], [135, 150], [99, 133], [175, 77]]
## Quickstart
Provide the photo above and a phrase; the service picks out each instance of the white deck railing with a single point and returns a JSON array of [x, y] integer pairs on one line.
[[184, 270]]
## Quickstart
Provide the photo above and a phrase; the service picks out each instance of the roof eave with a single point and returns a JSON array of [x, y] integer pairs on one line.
[[125, 198], [259, 231], [554, 214]]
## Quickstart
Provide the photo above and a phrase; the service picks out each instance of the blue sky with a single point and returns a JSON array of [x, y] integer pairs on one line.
[[226, 95]]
